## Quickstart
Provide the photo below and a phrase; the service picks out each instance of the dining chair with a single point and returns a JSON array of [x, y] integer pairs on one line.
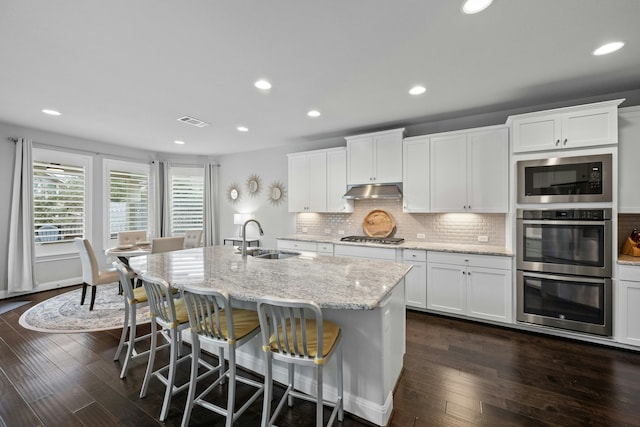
[[192, 238], [213, 321], [166, 244], [91, 274], [133, 298], [294, 332], [132, 237], [171, 315]]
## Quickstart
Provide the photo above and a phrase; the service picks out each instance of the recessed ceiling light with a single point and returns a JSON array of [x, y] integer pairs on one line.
[[243, 129], [179, 142], [608, 48], [474, 6], [313, 113], [51, 112], [262, 84], [417, 90]]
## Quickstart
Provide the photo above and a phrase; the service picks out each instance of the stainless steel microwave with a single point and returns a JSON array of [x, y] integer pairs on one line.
[[565, 179]]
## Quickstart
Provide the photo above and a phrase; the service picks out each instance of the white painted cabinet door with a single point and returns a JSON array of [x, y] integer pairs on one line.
[[415, 170], [449, 173], [629, 312], [489, 294], [488, 174], [416, 280], [317, 182], [360, 158], [589, 127], [628, 160], [537, 133], [298, 183], [446, 288], [337, 182], [387, 155]]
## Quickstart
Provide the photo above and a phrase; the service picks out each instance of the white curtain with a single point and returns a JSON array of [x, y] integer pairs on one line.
[[21, 248], [210, 204], [160, 222]]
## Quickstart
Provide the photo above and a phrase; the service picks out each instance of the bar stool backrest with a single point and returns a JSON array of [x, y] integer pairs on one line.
[[161, 302], [209, 313]]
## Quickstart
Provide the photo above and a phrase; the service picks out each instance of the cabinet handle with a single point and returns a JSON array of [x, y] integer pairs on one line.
[[469, 274], [466, 260], [464, 272], [565, 141], [557, 142]]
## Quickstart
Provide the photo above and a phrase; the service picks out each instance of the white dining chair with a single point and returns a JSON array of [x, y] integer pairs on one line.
[[192, 238], [132, 237], [167, 244], [91, 275]]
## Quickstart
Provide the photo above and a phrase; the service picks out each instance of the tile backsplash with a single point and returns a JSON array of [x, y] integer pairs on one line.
[[437, 227]]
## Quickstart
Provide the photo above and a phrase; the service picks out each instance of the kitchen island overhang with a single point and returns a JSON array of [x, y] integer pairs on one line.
[[365, 297]]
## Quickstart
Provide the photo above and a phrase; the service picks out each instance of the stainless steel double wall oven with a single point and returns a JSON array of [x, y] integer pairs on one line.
[[564, 255]]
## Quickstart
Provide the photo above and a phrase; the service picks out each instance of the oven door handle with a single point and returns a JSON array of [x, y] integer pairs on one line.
[[561, 222], [580, 279]]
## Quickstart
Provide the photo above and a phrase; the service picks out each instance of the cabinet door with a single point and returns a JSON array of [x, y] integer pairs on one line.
[[337, 182], [415, 179], [298, 184], [628, 312], [387, 156], [416, 285], [317, 182], [489, 294], [536, 133], [628, 155], [446, 288], [488, 174], [589, 127], [360, 160], [449, 173]]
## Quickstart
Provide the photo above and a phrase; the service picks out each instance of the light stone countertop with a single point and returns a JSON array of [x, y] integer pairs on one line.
[[410, 244], [628, 260], [331, 282]]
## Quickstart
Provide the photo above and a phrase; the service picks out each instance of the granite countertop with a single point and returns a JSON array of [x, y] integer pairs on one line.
[[336, 283], [628, 260], [410, 244]]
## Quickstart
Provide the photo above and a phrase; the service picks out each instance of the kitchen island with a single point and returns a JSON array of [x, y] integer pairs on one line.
[[365, 297]]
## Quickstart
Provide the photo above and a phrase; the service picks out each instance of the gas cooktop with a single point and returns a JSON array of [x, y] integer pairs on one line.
[[368, 239]]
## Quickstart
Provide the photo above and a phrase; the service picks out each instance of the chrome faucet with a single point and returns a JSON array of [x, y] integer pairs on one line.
[[244, 234]]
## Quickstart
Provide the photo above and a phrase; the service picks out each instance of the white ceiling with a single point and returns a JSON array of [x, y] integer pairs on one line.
[[123, 71]]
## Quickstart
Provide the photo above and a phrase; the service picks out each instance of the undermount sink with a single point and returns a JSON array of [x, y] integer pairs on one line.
[[271, 253]]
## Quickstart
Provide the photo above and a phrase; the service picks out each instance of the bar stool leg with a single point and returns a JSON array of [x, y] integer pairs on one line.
[[195, 351], [123, 336], [268, 390], [319, 405], [340, 386], [171, 376], [132, 341], [152, 356]]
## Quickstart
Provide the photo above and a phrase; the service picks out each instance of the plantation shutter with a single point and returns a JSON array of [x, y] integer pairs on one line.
[[187, 199], [128, 202], [58, 201]]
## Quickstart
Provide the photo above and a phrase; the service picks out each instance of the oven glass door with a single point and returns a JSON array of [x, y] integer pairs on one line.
[[570, 247], [575, 303]]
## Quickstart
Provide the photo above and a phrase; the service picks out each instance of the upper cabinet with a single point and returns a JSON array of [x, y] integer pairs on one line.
[[317, 181], [415, 174], [628, 156], [375, 158], [469, 171], [566, 128]]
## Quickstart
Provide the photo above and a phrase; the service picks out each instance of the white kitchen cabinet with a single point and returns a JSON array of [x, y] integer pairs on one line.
[[476, 286], [337, 181], [415, 174], [416, 280], [628, 305], [307, 182], [317, 181], [470, 171], [304, 247], [370, 252], [565, 128], [375, 158], [628, 160]]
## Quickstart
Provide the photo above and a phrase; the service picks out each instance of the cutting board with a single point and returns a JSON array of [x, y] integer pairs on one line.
[[378, 223]]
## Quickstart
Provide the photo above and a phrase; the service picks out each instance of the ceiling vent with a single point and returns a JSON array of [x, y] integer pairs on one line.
[[193, 121]]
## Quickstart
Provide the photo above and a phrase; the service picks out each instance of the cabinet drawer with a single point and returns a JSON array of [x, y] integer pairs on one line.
[[629, 272], [414, 255], [387, 254], [325, 248], [296, 245], [471, 260]]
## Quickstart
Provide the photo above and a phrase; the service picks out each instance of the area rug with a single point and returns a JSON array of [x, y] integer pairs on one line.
[[64, 314]]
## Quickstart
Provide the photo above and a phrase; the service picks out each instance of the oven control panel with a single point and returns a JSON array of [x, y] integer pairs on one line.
[[565, 214]]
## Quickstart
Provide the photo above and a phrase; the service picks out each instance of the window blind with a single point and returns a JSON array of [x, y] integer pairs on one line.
[[128, 202], [58, 201], [187, 195]]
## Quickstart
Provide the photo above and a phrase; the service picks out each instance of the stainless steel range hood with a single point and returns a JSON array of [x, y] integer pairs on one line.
[[374, 191]]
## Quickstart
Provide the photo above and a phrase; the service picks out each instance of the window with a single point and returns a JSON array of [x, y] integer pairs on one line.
[[127, 199], [60, 199], [186, 198]]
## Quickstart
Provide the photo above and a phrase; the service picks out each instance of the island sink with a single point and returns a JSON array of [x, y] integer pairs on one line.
[[271, 253]]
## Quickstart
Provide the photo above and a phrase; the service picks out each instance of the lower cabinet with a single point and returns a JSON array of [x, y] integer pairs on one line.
[[628, 305], [306, 247], [416, 280], [477, 286]]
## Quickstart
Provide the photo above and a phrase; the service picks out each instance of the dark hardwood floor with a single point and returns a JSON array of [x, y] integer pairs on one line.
[[457, 373]]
